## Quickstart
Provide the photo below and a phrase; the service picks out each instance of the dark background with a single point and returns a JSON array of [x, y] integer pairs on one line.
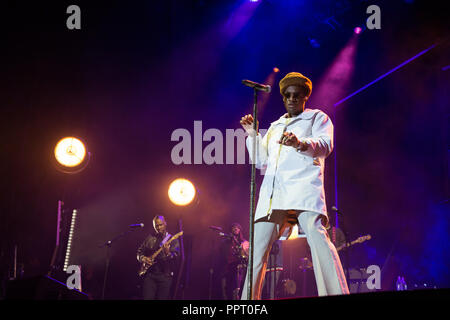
[[136, 71]]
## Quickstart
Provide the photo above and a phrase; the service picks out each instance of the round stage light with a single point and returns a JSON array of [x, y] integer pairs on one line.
[[357, 30], [70, 152], [276, 69], [181, 192]]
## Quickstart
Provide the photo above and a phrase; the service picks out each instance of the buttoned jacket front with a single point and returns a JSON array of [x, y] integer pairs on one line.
[[293, 180]]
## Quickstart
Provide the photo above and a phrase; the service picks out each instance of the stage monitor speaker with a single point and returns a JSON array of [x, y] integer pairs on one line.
[[41, 288]]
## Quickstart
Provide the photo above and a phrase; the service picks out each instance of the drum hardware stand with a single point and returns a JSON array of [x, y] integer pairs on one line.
[[273, 267], [305, 265]]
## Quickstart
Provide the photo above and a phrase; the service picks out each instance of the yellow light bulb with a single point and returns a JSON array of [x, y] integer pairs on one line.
[[181, 192], [70, 152]]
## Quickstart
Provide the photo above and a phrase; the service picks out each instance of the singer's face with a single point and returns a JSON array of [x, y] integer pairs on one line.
[[294, 99], [160, 226]]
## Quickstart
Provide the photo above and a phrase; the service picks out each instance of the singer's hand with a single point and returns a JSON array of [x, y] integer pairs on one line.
[[247, 124], [289, 139]]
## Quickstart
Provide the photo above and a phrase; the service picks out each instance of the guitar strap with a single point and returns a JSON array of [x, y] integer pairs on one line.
[[163, 242]]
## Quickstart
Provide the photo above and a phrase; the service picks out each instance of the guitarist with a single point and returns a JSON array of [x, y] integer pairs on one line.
[[157, 280]]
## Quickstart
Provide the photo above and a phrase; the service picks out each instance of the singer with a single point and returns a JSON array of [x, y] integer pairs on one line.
[[293, 151], [158, 279]]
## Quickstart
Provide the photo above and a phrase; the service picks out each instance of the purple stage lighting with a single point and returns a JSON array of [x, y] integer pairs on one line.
[[357, 30], [384, 75], [336, 79]]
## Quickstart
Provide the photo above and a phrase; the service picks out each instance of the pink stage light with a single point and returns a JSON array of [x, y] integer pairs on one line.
[[357, 30], [336, 79]]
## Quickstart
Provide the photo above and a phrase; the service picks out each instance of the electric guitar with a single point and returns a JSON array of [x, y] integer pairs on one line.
[[149, 261], [359, 240]]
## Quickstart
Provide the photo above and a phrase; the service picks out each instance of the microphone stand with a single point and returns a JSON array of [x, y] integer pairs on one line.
[[252, 200], [211, 270], [181, 270], [108, 245]]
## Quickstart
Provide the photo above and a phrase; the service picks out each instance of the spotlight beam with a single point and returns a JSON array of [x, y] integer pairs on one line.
[[385, 75]]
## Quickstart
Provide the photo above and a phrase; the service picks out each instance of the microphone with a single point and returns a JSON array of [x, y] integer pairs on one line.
[[221, 233], [257, 86], [335, 209], [225, 235], [137, 225]]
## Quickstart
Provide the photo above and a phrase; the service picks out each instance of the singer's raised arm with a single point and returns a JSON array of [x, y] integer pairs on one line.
[[261, 149]]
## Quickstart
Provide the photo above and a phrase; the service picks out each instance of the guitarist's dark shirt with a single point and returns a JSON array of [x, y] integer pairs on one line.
[[163, 264]]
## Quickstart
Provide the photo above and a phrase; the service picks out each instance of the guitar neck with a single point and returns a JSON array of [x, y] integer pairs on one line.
[[346, 245], [154, 255], [359, 240]]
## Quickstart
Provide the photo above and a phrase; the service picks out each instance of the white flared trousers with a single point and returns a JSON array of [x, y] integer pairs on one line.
[[330, 278]]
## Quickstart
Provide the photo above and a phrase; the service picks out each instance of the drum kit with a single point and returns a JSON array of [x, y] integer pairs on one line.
[[280, 282], [298, 282], [297, 278]]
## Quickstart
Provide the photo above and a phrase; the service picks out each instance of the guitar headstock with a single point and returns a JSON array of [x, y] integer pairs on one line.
[[363, 238], [179, 234]]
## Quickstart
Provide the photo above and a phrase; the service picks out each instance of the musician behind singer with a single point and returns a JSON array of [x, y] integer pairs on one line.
[[234, 249], [157, 279]]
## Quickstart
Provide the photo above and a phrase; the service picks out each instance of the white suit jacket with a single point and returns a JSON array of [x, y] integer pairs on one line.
[[293, 180]]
